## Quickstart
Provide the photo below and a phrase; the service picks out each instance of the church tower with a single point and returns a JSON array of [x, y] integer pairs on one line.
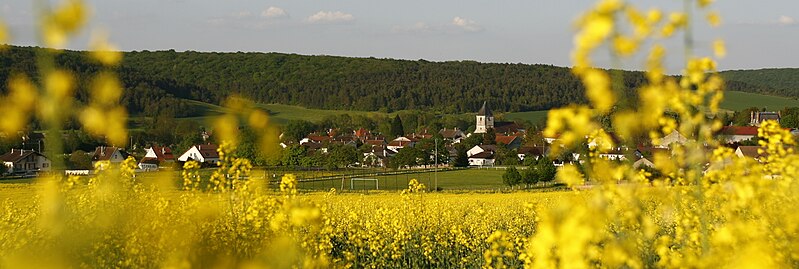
[[485, 119]]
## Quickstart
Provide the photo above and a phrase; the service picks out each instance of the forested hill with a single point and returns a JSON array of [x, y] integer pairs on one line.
[[159, 82], [773, 81]]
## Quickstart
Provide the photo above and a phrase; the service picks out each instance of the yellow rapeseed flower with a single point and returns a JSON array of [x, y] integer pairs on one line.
[[597, 89], [106, 89], [719, 49], [713, 18], [104, 52]]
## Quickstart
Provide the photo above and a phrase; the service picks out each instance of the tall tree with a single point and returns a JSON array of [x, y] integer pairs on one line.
[[511, 177], [490, 137], [396, 127]]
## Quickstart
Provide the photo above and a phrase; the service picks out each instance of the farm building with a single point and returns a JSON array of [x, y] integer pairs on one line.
[[205, 153], [111, 154], [20, 161]]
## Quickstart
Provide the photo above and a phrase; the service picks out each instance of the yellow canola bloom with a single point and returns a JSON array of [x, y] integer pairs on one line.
[[3, 35], [64, 20], [719, 49], [106, 89], [104, 52], [597, 89], [713, 18], [625, 46]]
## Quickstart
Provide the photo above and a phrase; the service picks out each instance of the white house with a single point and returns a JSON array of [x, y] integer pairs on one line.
[[453, 135], [155, 157], [201, 153], [732, 134], [673, 137], [20, 161], [401, 142], [485, 158], [481, 148], [111, 154]]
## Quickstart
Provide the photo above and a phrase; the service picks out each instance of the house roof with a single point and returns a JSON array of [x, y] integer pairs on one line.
[[399, 143], [750, 151], [208, 150], [507, 127], [538, 151], [450, 133], [739, 130], [318, 138], [103, 153], [163, 153], [483, 155], [507, 140], [375, 142], [17, 154], [485, 111], [491, 148], [361, 132]]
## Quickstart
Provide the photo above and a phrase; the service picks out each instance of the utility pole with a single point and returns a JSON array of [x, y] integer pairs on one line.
[[435, 171]]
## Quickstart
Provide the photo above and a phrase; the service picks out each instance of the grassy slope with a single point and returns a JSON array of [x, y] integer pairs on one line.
[[741, 100]]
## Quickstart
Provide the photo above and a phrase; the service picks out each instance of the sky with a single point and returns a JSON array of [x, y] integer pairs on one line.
[[758, 34]]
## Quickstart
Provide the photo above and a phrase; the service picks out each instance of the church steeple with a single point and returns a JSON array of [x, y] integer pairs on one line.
[[485, 120], [485, 111]]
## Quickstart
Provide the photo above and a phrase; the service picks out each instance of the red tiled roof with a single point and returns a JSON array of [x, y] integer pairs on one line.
[[163, 153], [103, 153], [507, 140], [208, 150], [739, 130], [318, 138]]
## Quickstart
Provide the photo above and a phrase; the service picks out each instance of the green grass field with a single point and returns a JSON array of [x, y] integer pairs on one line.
[[487, 179], [741, 100], [535, 117]]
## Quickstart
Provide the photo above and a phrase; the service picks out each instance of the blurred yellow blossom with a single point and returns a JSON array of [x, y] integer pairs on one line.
[[719, 49], [65, 19], [104, 52]]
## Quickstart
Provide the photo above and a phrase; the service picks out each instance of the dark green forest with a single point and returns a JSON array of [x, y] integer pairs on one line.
[[158, 83], [773, 81]]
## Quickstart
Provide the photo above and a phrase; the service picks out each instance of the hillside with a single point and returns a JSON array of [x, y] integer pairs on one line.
[[774, 81], [166, 83], [157, 82]]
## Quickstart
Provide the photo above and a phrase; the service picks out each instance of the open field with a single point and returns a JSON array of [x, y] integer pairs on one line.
[[535, 117], [741, 100]]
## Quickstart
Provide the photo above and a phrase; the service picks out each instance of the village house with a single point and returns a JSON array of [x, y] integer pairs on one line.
[[156, 157], [201, 153], [749, 152], [112, 154], [485, 158], [401, 142], [453, 135], [757, 117], [21, 162], [530, 152], [481, 148], [510, 142], [377, 156], [673, 137], [735, 134]]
